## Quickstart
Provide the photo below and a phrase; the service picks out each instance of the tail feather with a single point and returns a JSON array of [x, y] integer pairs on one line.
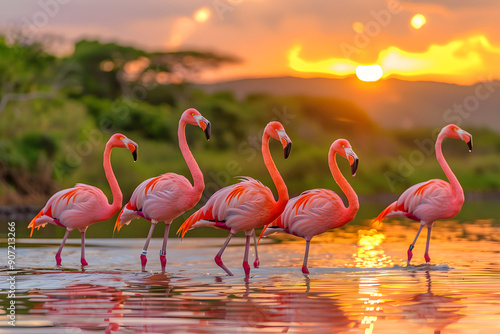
[[32, 224], [275, 227], [377, 223], [40, 220], [269, 229], [188, 224], [124, 218]]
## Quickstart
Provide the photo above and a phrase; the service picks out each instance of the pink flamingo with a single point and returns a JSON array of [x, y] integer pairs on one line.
[[166, 197], [83, 205], [246, 205], [318, 210], [432, 200]]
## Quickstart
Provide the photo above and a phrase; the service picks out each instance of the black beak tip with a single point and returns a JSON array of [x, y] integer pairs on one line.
[[469, 144], [208, 131], [354, 167], [134, 154], [287, 149]]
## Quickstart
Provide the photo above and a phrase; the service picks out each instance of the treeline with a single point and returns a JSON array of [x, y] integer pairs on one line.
[[57, 113]]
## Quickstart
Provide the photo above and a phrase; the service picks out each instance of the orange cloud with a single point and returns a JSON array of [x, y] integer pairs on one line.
[[459, 61]]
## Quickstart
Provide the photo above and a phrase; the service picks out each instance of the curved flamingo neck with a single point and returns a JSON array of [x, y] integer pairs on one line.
[[113, 183], [352, 198], [199, 183], [275, 175], [457, 188]]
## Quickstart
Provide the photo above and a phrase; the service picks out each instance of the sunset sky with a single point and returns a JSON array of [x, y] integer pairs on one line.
[[454, 41]]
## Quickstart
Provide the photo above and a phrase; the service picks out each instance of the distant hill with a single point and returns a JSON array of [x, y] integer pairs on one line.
[[391, 103]]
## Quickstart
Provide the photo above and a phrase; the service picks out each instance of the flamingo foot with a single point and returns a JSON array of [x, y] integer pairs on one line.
[[427, 258], [58, 259], [246, 266], [84, 263], [144, 260], [256, 263], [163, 260], [305, 270], [218, 260]]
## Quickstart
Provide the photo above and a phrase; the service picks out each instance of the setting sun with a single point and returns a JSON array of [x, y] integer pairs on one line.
[[369, 73], [418, 21]]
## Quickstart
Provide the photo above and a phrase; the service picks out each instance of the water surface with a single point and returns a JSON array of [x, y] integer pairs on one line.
[[359, 283]]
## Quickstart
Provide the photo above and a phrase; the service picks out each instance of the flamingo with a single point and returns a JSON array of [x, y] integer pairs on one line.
[[83, 205], [166, 197], [246, 205], [318, 210], [431, 200]]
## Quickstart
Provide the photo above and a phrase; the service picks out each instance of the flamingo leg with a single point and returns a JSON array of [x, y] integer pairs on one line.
[[58, 254], [306, 256], [144, 259], [410, 254], [163, 252], [426, 255], [218, 259], [246, 267], [82, 259], [256, 263]]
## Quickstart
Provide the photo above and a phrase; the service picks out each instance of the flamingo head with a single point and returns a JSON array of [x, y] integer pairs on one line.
[[119, 140], [277, 131], [193, 117], [455, 132], [343, 147]]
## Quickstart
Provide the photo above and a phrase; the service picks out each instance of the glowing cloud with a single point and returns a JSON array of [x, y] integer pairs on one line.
[[336, 66], [460, 61], [418, 21]]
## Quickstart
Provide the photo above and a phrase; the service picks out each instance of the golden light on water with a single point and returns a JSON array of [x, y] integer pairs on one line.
[[202, 15], [418, 21], [370, 252], [369, 73]]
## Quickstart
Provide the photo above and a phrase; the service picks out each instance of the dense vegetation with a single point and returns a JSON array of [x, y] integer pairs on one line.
[[57, 113]]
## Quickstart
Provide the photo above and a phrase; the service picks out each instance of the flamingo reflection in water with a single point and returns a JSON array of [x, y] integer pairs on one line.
[[80, 307], [434, 310]]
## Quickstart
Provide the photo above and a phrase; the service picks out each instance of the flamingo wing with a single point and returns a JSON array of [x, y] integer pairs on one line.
[[426, 201], [241, 206], [72, 208], [160, 198], [312, 212]]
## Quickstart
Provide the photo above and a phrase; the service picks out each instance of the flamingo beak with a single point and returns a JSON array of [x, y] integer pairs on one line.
[[286, 142], [204, 124], [134, 152], [132, 146], [353, 160], [466, 137]]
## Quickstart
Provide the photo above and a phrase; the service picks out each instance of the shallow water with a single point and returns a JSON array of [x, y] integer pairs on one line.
[[359, 283]]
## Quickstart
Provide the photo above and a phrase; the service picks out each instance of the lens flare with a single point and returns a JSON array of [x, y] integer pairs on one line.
[[358, 27], [418, 21], [202, 15]]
